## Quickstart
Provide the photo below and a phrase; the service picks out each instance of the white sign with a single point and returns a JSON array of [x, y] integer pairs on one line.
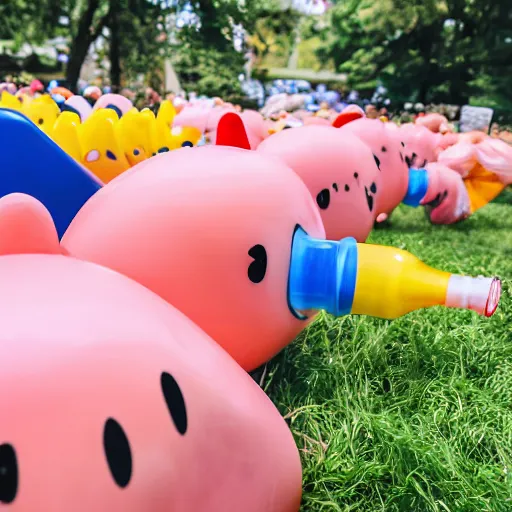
[[475, 118]]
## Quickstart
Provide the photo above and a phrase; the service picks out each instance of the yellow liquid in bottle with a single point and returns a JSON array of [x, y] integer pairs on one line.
[[391, 283]]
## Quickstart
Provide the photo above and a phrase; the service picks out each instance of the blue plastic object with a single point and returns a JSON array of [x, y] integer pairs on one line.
[[418, 186], [322, 275], [31, 163]]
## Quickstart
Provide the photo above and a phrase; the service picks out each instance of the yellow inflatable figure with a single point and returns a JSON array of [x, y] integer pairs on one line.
[[184, 136], [180, 136], [65, 133], [42, 111], [166, 113], [133, 133], [101, 152], [9, 101], [159, 133]]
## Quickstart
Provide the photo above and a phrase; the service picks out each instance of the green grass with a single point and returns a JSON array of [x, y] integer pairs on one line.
[[413, 414]]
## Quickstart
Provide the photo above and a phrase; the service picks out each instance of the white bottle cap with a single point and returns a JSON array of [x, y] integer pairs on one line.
[[480, 294]]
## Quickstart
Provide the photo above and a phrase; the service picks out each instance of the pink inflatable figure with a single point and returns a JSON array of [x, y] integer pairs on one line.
[[447, 200], [421, 145], [436, 123], [316, 121], [8, 87], [401, 180], [389, 149], [136, 408], [116, 102], [79, 105], [223, 237], [192, 115], [255, 127], [340, 171]]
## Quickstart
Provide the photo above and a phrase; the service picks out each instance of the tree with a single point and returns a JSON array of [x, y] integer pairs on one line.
[[204, 53], [428, 50]]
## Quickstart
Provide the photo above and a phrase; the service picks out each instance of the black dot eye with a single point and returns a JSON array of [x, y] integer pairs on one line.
[[8, 474], [445, 193], [323, 199], [187, 144], [175, 402], [403, 145], [373, 188], [383, 149], [347, 188], [335, 186], [356, 175], [40, 121], [136, 152], [163, 150], [111, 155], [118, 452], [258, 268], [377, 161]]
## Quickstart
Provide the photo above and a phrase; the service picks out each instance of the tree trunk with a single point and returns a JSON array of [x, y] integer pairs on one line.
[[115, 42], [81, 43]]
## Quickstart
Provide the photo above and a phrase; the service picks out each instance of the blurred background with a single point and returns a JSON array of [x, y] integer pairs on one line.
[[397, 58]]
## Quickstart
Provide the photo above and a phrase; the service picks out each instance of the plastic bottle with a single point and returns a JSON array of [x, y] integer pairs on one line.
[[349, 278]]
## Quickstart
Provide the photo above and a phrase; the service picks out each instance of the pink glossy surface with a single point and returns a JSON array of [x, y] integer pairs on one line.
[[434, 122], [421, 145], [254, 125], [387, 146], [340, 172], [81, 105], [121, 102], [446, 189], [80, 345], [183, 223]]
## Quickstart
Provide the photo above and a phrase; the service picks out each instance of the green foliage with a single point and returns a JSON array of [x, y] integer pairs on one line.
[[205, 58], [428, 50], [414, 414], [209, 71]]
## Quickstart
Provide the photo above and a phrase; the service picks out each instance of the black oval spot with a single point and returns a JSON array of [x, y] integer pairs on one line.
[[175, 402], [136, 152], [323, 199], [377, 161], [335, 186], [163, 150], [403, 145], [153, 154], [445, 193], [373, 188], [187, 144], [356, 175], [118, 452], [383, 149], [258, 268], [369, 199], [347, 188], [40, 121], [8, 474], [111, 155]]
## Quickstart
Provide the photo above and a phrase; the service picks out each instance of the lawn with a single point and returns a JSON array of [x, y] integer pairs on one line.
[[413, 414]]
